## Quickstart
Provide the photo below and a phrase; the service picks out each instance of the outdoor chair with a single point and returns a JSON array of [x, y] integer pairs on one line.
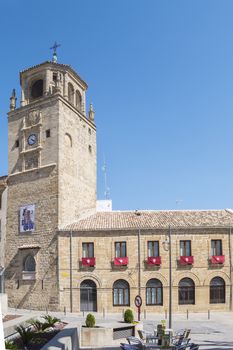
[[146, 336], [124, 346]]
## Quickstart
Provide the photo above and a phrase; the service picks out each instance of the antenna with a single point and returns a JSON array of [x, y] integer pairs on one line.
[[106, 188], [179, 201]]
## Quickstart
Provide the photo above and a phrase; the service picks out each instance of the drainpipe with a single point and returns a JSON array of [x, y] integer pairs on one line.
[[71, 274], [139, 262], [230, 263]]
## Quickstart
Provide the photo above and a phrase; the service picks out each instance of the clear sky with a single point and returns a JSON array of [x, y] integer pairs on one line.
[[160, 76]]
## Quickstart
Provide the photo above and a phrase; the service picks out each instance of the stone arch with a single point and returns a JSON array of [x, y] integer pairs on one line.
[[186, 274], [78, 100], [129, 279], [213, 274], [71, 93], [152, 275], [36, 88], [68, 140], [91, 277]]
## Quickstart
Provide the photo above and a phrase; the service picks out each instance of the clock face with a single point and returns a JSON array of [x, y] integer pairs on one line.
[[32, 139]]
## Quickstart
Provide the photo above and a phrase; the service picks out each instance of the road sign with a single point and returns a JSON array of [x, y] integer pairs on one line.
[[138, 301]]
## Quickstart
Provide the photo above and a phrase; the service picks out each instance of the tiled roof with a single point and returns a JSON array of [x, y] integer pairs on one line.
[[121, 220]]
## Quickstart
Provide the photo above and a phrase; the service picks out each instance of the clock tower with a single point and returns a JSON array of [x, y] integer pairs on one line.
[[51, 181]]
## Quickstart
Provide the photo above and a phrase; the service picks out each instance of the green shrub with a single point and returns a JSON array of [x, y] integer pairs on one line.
[[128, 316], [37, 325], [90, 320], [9, 345], [26, 334], [50, 321]]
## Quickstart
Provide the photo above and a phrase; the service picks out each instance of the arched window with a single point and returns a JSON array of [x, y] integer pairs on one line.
[[37, 89], [71, 93], [88, 296], [154, 292], [78, 100], [68, 140], [29, 264], [121, 293], [186, 291], [217, 291]]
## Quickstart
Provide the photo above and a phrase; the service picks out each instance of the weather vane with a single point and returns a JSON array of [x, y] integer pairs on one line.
[[54, 48]]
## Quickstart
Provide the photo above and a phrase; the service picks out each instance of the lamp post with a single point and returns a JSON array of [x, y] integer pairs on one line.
[[167, 246]]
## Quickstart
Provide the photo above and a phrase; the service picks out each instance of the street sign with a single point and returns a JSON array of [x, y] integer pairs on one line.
[[138, 301]]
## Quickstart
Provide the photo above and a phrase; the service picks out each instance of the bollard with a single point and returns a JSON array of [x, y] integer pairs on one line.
[[187, 314], [103, 312], [64, 310], [165, 314], [145, 314], [208, 314]]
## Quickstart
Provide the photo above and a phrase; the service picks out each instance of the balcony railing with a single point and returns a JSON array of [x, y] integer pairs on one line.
[[28, 275], [121, 261], [153, 260], [88, 262], [186, 260], [217, 259]]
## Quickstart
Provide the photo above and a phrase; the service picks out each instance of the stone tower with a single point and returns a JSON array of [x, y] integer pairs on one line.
[[52, 178]]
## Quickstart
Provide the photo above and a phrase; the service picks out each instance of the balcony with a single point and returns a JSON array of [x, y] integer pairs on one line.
[[121, 261], [154, 260], [186, 260], [88, 262], [217, 259], [28, 275]]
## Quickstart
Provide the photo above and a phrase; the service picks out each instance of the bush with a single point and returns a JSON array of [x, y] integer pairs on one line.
[[90, 320], [9, 345], [50, 321], [128, 316]]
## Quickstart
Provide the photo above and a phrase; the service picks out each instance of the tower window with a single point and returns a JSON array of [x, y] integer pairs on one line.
[[71, 93], [47, 133], [90, 149], [78, 100], [37, 89], [17, 143], [54, 76]]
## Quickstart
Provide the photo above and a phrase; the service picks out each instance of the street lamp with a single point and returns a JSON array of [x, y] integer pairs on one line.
[[167, 246]]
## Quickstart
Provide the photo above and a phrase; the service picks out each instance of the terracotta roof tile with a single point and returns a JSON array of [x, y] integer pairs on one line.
[[121, 220]]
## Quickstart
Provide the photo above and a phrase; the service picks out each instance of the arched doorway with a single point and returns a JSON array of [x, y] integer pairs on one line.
[[88, 296]]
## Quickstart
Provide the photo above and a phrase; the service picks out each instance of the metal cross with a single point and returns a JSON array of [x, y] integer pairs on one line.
[[54, 47]]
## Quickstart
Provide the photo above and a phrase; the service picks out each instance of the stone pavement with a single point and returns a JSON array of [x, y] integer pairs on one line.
[[215, 333]]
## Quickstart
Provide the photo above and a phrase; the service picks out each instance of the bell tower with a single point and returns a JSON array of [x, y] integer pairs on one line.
[[52, 177]]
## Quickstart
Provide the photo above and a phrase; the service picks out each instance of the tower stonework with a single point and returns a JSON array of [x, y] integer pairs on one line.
[[51, 182]]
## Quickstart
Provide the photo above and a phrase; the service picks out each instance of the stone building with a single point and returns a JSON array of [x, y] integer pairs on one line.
[[3, 204], [61, 252]]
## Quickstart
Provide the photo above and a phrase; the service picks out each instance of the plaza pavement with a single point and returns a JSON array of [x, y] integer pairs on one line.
[[215, 333]]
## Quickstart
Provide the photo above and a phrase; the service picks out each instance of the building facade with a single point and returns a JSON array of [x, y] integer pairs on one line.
[[3, 211], [107, 259], [61, 252]]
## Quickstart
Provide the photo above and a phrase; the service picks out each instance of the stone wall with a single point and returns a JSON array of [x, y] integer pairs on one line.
[[104, 274]]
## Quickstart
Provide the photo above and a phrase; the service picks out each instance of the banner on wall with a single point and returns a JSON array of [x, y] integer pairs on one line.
[[27, 218]]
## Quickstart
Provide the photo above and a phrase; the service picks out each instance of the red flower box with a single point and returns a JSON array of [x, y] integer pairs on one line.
[[88, 262], [121, 261], [217, 259], [186, 260], [154, 260]]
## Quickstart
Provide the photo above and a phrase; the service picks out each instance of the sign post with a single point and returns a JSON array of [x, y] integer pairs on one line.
[[138, 304]]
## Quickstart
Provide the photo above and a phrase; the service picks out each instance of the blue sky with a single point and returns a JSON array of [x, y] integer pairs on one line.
[[160, 76]]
